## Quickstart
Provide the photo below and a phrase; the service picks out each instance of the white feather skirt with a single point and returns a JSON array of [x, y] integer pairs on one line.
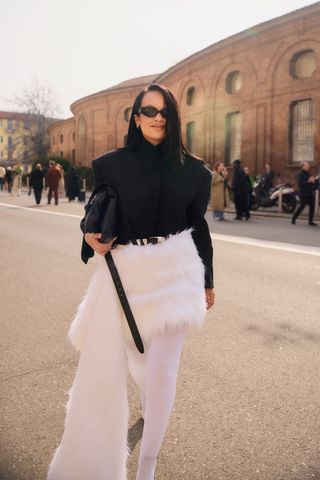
[[164, 284]]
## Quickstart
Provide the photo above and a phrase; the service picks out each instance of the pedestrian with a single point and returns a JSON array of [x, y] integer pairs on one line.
[[2, 176], [164, 256], [61, 189], [240, 191], [17, 179], [267, 178], [250, 181], [36, 182], [9, 179], [307, 186], [72, 184], [52, 182], [219, 191]]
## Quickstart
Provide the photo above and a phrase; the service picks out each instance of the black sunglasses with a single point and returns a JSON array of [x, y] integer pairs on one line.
[[152, 111]]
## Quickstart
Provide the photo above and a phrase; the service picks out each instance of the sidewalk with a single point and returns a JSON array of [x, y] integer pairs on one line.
[[271, 213]]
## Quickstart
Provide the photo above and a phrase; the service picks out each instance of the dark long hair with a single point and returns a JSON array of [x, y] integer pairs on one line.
[[173, 148]]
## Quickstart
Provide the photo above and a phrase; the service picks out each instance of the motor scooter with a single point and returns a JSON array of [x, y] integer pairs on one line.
[[261, 197]]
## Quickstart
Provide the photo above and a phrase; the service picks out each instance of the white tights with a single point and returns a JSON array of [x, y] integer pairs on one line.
[[155, 374]]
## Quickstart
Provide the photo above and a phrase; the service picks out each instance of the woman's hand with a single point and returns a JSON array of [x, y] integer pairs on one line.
[[92, 239], [210, 297]]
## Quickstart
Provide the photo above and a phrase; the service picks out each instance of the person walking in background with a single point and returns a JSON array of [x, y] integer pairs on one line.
[[36, 182], [9, 178], [307, 186], [250, 181], [72, 184], [219, 191], [240, 191], [61, 189], [267, 178], [52, 182], [17, 179], [2, 176]]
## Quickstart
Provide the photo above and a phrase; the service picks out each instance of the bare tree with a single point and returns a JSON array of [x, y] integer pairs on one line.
[[39, 104]]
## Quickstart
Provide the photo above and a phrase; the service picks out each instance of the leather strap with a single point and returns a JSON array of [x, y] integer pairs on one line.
[[124, 302]]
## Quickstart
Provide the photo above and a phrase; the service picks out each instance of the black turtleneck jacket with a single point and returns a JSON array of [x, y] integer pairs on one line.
[[155, 200]]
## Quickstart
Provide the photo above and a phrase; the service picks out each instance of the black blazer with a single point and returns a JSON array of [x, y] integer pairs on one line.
[[306, 189], [156, 201]]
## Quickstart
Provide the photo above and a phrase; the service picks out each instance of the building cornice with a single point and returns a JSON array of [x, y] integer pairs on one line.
[[60, 123], [126, 86], [250, 32]]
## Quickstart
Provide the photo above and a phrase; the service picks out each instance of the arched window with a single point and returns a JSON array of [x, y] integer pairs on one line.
[[190, 136], [233, 137], [302, 131], [191, 94], [303, 64], [61, 138], [233, 82], [127, 114]]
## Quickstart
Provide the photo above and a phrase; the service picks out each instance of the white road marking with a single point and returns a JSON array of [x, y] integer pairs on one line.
[[39, 210], [254, 242]]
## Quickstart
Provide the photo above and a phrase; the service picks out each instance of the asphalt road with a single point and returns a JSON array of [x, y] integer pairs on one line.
[[248, 393]]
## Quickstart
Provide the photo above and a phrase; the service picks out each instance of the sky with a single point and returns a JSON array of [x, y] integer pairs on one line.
[[79, 47]]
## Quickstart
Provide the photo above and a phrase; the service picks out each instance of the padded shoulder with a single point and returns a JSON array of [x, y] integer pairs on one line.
[[198, 167]]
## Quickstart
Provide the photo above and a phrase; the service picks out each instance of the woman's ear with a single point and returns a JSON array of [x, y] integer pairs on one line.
[[137, 120]]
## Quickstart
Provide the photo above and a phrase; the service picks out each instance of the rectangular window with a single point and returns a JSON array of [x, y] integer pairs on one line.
[[61, 154], [10, 142], [10, 124], [1, 154], [191, 130], [233, 137], [1, 139], [302, 131]]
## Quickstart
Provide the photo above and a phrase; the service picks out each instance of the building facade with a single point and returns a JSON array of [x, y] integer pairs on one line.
[[253, 96], [15, 137]]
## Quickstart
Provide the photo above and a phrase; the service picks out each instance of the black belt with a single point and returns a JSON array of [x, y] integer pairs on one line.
[[142, 241], [124, 302]]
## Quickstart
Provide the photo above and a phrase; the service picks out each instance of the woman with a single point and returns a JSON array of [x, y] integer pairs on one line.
[[240, 191], [61, 189], [163, 192], [72, 184], [219, 191], [17, 179], [9, 179], [36, 182]]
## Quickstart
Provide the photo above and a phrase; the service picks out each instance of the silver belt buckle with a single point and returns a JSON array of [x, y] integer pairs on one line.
[[150, 240], [160, 239]]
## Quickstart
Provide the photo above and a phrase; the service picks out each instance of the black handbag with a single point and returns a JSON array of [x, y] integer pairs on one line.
[[102, 216]]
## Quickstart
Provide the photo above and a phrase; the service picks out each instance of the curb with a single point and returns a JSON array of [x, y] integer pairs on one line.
[[269, 214]]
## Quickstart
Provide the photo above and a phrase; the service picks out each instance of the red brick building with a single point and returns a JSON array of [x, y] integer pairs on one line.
[[253, 96]]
